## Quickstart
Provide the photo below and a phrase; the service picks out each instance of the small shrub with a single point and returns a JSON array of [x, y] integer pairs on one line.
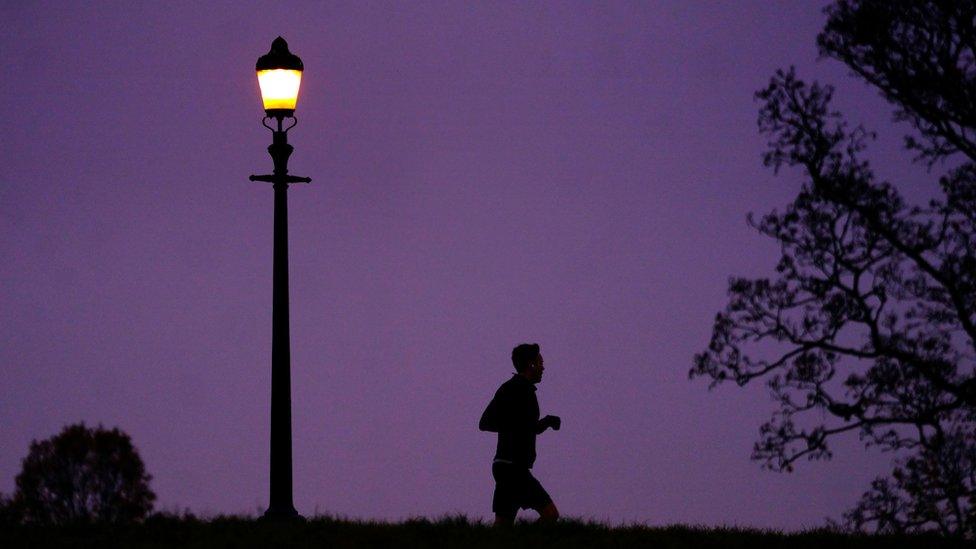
[[8, 513]]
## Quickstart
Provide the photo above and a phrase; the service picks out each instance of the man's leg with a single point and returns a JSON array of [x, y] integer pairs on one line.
[[549, 513], [504, 520], [505, 501], [540, 500]]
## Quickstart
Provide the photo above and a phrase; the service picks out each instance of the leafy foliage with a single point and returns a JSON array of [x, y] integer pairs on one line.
[[83, 475], [872, 306]]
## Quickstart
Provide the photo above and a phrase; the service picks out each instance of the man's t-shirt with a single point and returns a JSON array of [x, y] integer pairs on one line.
[[513, 413]]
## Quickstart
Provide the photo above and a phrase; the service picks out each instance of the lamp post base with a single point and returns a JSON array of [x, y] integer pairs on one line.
[[282, 514]]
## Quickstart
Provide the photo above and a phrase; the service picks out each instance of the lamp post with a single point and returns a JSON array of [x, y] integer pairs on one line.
[[279, 76]]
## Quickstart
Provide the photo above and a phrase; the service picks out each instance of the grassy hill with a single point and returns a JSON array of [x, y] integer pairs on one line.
[[458, 531]]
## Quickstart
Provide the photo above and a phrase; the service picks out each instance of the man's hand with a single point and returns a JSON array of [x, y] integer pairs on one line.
[[551, 421]]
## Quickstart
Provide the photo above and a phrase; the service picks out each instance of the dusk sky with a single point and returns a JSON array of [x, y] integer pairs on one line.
[[484, 174]]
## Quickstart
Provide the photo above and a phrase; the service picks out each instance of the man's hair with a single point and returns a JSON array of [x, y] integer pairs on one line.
[[523, 354]]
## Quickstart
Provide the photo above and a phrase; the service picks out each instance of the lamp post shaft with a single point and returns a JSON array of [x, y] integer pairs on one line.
[[281, 501]]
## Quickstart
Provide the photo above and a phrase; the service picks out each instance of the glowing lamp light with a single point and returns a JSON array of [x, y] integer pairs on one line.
[[279, 75]]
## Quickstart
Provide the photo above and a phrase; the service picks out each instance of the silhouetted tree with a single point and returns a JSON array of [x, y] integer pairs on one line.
[[83, 475], [868, 325]]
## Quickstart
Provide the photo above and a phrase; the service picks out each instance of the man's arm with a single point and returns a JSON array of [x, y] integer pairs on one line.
[[546, 422], [496, 416], [489, 418]]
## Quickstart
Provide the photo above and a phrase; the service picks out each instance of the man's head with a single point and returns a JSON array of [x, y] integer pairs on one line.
[[527, 360]]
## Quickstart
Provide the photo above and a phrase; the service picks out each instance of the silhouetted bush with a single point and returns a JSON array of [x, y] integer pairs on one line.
[[7, 513], [82, 475]]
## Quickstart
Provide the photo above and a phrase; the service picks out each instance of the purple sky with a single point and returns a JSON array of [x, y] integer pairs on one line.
[[485, 174]]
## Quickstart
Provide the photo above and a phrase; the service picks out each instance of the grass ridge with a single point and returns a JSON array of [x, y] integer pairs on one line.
[[456, 530]]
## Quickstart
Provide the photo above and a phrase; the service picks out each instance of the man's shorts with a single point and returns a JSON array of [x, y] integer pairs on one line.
[[516, 488]]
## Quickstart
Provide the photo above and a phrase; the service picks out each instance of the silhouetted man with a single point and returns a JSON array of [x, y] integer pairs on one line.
[[514, 414]]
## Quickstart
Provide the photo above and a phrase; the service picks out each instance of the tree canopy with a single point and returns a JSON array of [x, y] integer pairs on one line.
[[871, 307], [82, 475]]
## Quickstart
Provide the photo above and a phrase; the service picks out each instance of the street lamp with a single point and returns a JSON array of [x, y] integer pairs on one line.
[[279, 76]]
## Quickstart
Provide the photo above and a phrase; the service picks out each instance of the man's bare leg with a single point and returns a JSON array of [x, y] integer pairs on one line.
[[503, 520], [549, 513]]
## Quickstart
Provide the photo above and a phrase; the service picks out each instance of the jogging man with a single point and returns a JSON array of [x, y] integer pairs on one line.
[[513, 413]]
